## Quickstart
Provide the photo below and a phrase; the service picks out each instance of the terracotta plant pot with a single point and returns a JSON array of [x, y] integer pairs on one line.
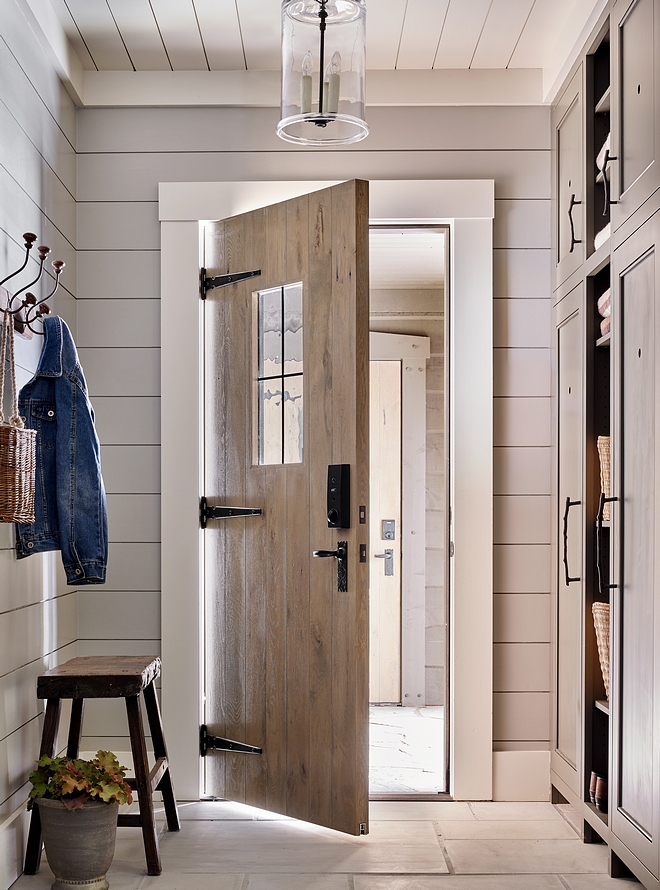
[[79, 843]]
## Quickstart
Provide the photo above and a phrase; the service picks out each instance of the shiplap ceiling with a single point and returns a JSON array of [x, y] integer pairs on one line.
[[406, 258], [231, 35]]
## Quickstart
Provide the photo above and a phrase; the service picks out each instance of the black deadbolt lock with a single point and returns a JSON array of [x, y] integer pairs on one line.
[[339, 496]]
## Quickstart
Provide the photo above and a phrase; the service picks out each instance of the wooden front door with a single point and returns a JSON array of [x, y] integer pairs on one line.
[[286, 395]]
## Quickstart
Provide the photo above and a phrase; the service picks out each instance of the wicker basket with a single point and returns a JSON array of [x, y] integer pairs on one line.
[[17, 445], [601, 613], [604, 455]]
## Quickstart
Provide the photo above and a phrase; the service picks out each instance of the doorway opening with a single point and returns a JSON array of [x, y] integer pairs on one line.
[[409, 510]]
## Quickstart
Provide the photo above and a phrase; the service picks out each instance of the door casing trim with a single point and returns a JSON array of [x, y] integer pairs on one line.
[[467, 206]]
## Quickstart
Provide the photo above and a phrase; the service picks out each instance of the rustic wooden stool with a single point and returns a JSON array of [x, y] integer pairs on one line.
[[112, 676]]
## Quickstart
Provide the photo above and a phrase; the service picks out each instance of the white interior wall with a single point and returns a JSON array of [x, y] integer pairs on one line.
[[38, 620], [124, 153]]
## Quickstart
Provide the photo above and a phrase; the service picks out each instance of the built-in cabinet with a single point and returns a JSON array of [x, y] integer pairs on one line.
[[605, 751]]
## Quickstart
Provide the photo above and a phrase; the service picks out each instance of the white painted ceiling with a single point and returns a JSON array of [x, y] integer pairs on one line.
[[225, 35], [406, 258]]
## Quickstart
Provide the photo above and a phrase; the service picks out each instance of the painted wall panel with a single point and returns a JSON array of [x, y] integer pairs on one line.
[[521, 324], [131, 469], [521, 618], [522, 470], [116, 371]]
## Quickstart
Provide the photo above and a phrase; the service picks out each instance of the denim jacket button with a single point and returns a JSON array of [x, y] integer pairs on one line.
[[30, 545], [78, 571], [51, 414]]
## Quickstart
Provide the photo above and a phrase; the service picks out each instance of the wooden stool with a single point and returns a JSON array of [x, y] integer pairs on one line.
[[112, 676]]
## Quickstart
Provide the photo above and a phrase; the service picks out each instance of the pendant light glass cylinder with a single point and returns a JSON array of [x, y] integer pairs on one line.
[[323, 65]]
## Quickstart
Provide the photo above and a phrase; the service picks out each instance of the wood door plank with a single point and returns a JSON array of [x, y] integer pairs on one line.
[[323, 572], [216, 332], [274, 482], [256, 530], [350, 363], [237, 372], [298, 557]]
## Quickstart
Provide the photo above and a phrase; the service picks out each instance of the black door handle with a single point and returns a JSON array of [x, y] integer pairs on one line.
[[574, 240], [569, 504], [599, 543], [606, 183], [341, 555]]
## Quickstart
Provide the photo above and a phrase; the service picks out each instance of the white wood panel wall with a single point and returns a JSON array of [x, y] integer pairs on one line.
[[38, 612], [124, 153]]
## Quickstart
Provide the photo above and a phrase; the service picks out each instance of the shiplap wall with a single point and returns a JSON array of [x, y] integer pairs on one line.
[[124, 153], [37, 193]]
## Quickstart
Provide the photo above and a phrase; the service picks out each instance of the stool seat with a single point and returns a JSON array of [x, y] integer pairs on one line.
[[111, 676], [99, 676]]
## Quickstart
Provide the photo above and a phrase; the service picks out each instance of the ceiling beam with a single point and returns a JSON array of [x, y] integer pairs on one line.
[[262, 88]]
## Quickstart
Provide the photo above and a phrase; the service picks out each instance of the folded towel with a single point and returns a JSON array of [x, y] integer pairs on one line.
[[605, 326], [604, 304], [602, 236]]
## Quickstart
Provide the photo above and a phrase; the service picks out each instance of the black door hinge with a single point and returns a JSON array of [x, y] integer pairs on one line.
[[206, 284], [220, 512], [215, 743]]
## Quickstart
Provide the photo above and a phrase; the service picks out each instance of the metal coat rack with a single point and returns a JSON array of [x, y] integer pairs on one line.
[[27, 310]]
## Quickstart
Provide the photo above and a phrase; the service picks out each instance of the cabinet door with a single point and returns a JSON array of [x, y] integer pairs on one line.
[[570, 346], [635, 43], [635, 603], [569, 180]]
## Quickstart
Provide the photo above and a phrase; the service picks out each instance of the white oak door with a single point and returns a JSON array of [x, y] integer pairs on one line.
[[286, 395]]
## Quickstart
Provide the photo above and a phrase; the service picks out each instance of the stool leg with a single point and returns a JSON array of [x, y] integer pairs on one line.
[[48, 743], [147, 816], [75, 728], [165, 785]]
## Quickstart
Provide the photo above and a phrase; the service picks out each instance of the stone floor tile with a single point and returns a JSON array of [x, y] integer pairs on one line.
[[459, 882], [298, 882], [435, 810], [280, 847], [526, 857], [507, 828], [210, 810], [518, 812], [600, 882], [402, 832], [172, 881]]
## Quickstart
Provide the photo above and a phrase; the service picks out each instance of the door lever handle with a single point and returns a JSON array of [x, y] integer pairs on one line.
[[341, 555], [388, 556]]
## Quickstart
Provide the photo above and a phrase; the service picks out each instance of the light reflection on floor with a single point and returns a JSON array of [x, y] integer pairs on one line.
[[406, 750]]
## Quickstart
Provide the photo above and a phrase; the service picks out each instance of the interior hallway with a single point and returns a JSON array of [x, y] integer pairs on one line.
[[412, 846]]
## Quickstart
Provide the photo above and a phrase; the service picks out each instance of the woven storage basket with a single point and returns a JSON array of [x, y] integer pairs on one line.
[[604, 455], [17, 445], [601, 613]]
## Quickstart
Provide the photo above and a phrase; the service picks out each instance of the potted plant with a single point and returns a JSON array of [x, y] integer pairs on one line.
[[78, 804]]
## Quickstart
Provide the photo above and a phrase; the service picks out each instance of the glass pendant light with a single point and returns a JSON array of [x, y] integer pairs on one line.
[[323, 65]]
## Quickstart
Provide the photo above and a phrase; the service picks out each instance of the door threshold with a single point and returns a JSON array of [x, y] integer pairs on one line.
[[439, 795]]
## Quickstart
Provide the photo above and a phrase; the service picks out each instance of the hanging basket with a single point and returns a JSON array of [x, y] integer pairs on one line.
[[604, 455], [17, 445], [601, 613]]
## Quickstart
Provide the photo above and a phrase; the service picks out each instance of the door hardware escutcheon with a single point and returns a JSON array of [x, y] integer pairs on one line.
[[388, 556], [389, 530], [341, 555], [221, 512]]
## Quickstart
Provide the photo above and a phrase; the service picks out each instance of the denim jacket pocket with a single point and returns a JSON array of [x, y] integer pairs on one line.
[[45, 417]]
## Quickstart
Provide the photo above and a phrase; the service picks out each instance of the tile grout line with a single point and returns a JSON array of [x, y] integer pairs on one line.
[[443, 849]]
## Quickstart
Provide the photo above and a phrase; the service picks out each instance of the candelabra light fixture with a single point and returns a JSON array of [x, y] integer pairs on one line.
[[323, 65]]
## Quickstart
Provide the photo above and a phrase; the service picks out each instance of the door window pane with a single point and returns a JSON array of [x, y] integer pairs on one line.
[[280, 375]]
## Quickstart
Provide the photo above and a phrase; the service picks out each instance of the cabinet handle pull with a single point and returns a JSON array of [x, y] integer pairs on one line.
[[569, 504], [606, 183], [599, 543], [574, 240]]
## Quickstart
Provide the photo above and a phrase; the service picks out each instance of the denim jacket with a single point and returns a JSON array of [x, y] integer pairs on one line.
[[69, 504]]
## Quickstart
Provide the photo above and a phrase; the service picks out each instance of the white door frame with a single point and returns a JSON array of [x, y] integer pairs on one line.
[[467, 206]]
